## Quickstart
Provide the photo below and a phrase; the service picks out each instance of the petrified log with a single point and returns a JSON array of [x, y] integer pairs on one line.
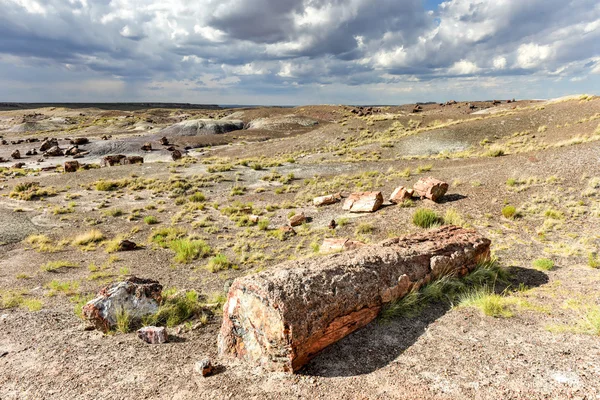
[[326, 200], [400, 194], [297, 220], [430, 188], [71, 166], [363, 202], [283, 317]]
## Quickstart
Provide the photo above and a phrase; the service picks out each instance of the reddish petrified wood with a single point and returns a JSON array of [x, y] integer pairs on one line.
[[283, 317]]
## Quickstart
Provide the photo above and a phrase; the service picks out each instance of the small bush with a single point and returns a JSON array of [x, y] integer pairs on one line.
[[494, 152], [509, 212], [93, 236], [452, 217], [218, 263], [52, 266], [124, 321], [593, 260], [150, 220], [263, 224], [490, 303], [426, 218], [197, 197], [365, 228], [67, 288], [115, 212], [166, 235], [187, 250], [176, 308], [543, 264]]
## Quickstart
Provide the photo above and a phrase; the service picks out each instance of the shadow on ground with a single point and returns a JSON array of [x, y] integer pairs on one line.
[[380, 343]]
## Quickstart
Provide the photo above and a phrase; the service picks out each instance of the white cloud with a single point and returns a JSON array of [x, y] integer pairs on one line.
[[531, 55], [499, 63], [463, 67]]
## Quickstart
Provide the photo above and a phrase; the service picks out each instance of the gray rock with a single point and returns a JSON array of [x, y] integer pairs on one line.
[[153, 334], [196, 127], [204, 367]]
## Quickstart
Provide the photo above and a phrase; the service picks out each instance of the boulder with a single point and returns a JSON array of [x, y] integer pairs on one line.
[[153, 334], [132, 160], [164, 141], [16, 155], [48, 144], [363, 202], [430, 188], [288, 231], [400, 194], [54, 151], [109, 161], [126, 245], [326, 200], [72, 151], [71, 166], [147, 146], [297, 220], [204, 367], [4, 142], [332, 224], [281, 318], [80, 141], [176, 155], [333, 245], [31, 152], [135, 296]]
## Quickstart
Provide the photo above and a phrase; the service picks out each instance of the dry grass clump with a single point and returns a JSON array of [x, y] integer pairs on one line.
[[91, 237], [31, 191]]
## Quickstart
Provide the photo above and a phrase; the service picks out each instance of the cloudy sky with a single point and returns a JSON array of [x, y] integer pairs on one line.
[[297, 51]]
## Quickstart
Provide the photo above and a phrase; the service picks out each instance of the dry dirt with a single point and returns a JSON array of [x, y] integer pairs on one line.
[[541, 157]]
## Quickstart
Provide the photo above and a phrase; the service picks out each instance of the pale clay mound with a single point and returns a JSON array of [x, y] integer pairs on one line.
[[197, 127]]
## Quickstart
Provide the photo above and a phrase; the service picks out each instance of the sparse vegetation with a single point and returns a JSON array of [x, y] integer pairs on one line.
[[543, 264], [426, 218]]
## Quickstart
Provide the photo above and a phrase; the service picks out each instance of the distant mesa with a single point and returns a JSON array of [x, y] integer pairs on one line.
[[198, 127]]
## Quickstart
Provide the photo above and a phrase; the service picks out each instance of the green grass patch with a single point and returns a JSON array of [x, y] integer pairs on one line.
[[543, 264], [186, 250], [426, 218]]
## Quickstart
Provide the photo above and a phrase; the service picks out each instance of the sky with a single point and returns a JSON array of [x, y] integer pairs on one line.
[[289, 52]]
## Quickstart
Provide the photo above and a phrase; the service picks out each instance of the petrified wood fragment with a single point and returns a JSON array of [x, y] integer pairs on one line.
[[283, 317]]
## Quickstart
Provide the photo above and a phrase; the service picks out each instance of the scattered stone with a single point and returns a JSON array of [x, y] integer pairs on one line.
[[80, 141], [109, 161], [126, 245], [153, 334], [417, 108], [3, 353], [326, 200], [332, 224], [254, 219], [3, 160], [430, 188], [164, 141], [16, 154], [204, 367], [135, 296], [400, 194], [281, 318], [18, 165], [54, 151], [176, 155], [147, 146], [333, 245], [71, 166], [472, 106], [297, 219], [72, 151], [31, 152], [132, 160], [48, 144], [49, 168], [104, 137], [288, 231], [363, 202]]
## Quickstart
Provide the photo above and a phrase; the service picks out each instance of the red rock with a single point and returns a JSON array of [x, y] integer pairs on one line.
[[204, 367], [16, 154], [297, 219], [333, 245], [109, 161], [153, 334], [71, 166], [400, 194], [176, 155], [164, 141], [126, 245], [281, 318], [430, 188], [363, 202], [326, 200], [132, 160], [288, 231]]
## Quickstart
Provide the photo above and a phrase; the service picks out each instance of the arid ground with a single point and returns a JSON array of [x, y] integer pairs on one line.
[[524, 174]]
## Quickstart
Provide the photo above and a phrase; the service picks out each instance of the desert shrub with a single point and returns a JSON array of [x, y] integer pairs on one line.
[[164, 236], [494, 152], [426, 218], [176, 308], [124, 321], [150, 220], [593, 260], [449, 289], [218, 263], [93, 236], [263, 224], [52, 266], [186, 250], [365, 228], [31, 191], [490, 303], [67, 288], [543, 264], [509, 212], [453, 217], [197, 197]]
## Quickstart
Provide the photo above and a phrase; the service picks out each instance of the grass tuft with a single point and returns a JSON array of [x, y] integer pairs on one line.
[[426, 218]]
